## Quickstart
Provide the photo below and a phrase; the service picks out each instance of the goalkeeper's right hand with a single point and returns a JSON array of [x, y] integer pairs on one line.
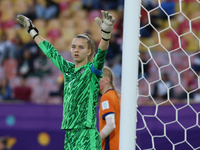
[[27, 23]]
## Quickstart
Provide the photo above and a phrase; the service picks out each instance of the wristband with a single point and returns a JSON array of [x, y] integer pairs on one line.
[[34, 33], [105, 35]]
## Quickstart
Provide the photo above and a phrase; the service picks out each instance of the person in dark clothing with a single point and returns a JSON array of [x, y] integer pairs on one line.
[[161, 88], [4, 143], [109, 4], [5, 90], [25, 67], [51, 10], [145, 66], [113, 51]]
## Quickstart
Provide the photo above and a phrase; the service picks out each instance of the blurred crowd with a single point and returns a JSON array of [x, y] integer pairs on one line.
[[170, 68], [26, 74]]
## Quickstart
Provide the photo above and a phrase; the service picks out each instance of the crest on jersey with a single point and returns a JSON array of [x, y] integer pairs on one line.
[[82, 71]]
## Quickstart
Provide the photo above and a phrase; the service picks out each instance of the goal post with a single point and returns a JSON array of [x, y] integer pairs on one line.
[[170, 46], [129, 86]]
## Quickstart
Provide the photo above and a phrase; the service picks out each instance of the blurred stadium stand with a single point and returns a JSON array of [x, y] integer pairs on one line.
[[71, 18], [77, 16]]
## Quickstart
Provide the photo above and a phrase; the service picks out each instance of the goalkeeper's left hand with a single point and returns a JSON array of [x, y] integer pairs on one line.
[[106, 25]]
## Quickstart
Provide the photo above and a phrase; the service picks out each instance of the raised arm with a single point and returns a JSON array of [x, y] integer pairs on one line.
[[106, 26], [45, 46]]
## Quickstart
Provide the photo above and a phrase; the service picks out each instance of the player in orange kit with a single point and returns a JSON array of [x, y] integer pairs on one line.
[[109, 115]]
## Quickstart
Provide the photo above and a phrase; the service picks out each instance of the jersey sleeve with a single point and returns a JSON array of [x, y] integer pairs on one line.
[[55, 57], [107, 106], [98, 62]]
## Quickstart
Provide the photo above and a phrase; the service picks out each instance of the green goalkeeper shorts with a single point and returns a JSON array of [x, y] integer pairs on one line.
[[82, 139]]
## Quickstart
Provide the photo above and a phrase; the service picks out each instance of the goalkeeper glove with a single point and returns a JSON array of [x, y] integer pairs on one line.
[[27, 23], [106, 25]]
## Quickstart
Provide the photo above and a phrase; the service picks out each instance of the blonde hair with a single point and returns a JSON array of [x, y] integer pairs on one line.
[[108, 73], [91, 44]]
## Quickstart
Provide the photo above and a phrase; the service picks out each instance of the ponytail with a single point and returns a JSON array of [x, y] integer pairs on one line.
[[117, 92]]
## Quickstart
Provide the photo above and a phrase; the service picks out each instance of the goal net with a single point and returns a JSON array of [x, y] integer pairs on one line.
[[168, 78]]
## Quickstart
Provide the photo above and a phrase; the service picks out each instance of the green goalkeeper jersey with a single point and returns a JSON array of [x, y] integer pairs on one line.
[[81, 87]]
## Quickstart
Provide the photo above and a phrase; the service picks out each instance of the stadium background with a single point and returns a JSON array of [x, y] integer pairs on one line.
[[33, 121]]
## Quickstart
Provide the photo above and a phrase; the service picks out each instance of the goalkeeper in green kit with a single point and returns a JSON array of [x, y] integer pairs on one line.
[[81, 85]]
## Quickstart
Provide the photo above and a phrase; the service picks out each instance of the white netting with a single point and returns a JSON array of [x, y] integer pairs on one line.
[[168, 112]]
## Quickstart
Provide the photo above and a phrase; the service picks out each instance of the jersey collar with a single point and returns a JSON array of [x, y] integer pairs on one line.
[[109, 90]]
